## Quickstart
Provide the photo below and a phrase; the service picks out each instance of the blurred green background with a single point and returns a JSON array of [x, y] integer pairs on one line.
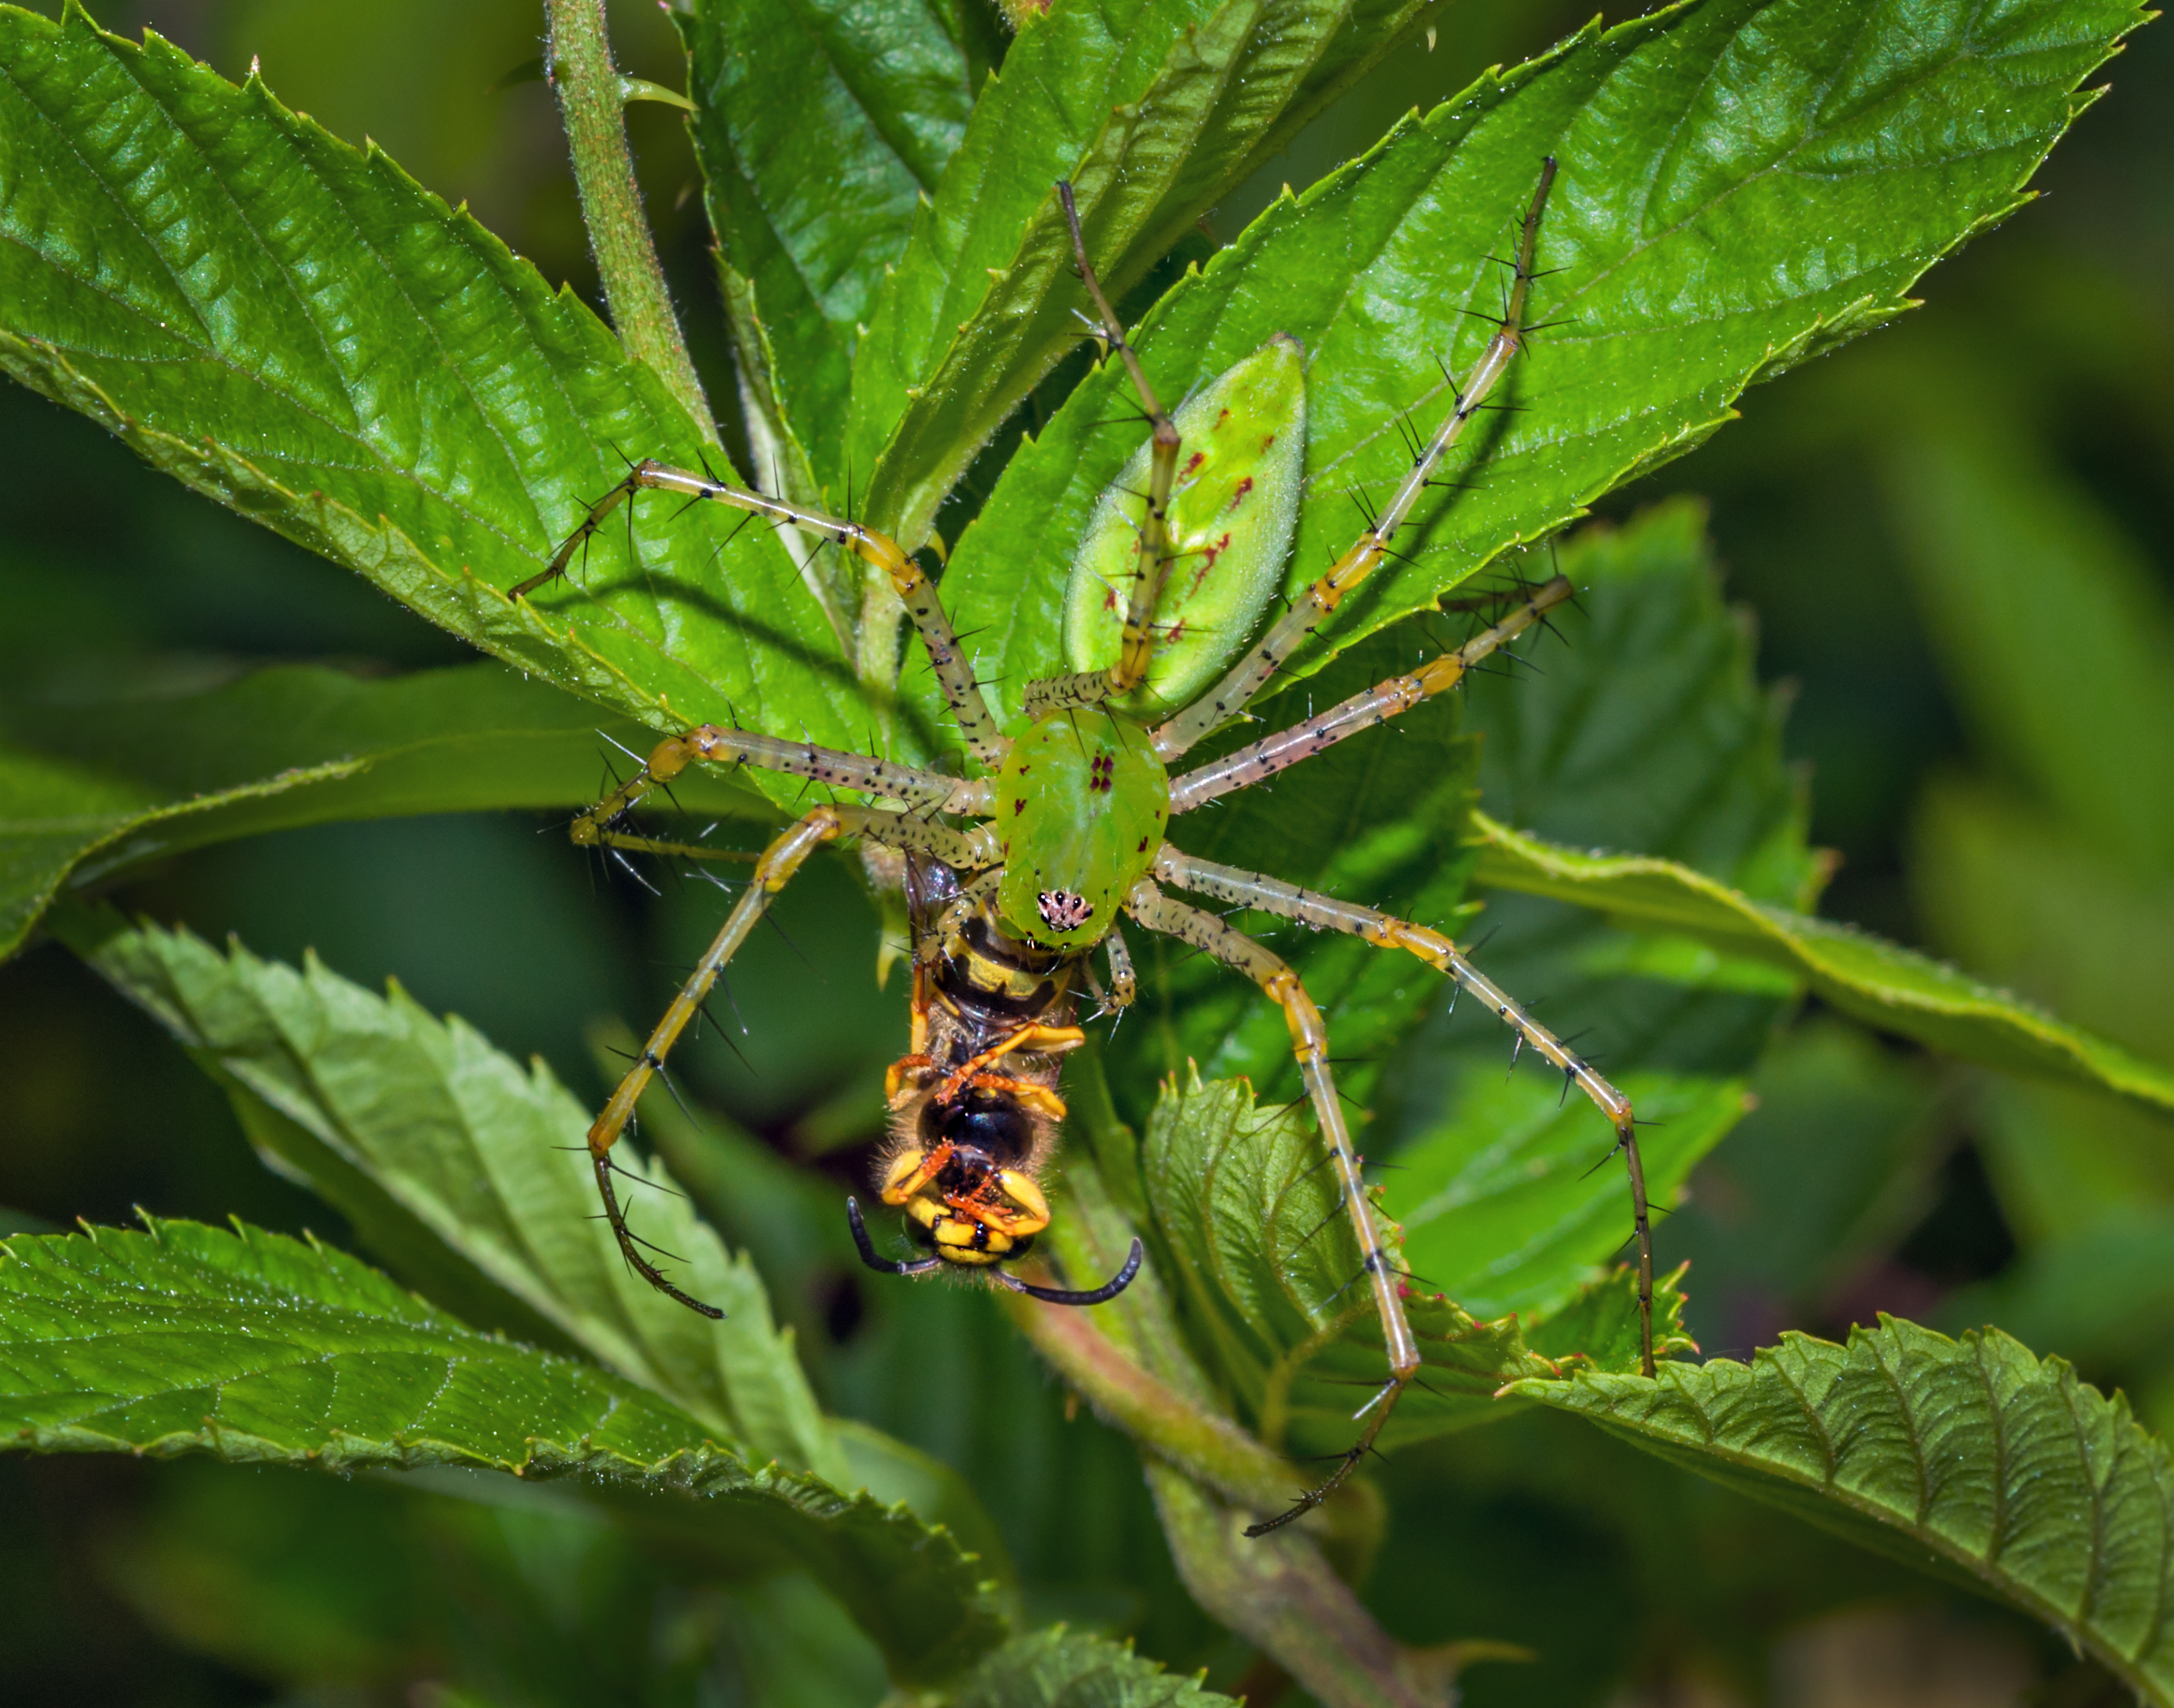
[[1956, 542]]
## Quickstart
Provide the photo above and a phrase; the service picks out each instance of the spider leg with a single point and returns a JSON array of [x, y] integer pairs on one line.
[[1124, 983], [915, 591], [1245, 678], [774, 868], [1309, 907], [1151, 562], [1310, 1044], [1385, 700], [602, 824]]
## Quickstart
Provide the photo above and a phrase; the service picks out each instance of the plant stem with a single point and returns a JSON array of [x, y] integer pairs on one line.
[[1279, 1593], [591, 103], [1213, 1449], [1128, 1360]]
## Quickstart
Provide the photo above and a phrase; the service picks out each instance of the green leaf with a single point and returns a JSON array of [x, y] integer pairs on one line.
[[1870, 981], [296, 329], [468, 1173], [1152, 111], [1709, 154], [1256, 1235], [2007, 1471], [813, 197], [1640, 721], [1057, 1668], [261, 1349], [95, 789], [1997, 541]]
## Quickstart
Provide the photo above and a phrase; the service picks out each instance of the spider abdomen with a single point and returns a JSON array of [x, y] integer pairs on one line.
[[1233, 509]]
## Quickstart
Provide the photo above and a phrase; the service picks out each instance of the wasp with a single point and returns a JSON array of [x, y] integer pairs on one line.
[[974, 1106]]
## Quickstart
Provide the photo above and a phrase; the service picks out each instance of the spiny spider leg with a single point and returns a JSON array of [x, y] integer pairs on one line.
[[1310, 907], [714, 745], [1310, 1045], [1229, 696], [773, 870], [1124, 983], [1151, 563], [954, 674], [1385, 700]]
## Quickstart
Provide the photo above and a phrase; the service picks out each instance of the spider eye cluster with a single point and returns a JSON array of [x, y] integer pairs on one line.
[[1063, 910]]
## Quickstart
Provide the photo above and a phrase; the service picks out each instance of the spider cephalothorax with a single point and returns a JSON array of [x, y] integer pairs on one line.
[[1031, 864]]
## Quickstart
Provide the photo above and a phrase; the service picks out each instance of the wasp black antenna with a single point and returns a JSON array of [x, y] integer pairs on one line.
[[1094, 1295]]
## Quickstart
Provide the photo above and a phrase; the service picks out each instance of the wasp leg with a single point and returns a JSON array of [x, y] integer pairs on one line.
[[1036, 1095], [1036, 1039], [912, 1171]]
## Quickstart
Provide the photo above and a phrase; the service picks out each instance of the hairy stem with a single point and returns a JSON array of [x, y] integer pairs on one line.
[[592, 103]]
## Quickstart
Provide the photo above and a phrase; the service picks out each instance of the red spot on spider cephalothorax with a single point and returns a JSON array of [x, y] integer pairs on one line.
[[1177, 632], [1109, 599], [1018, 806], [1142, 848], [1102, 775], [1220, 420], [1241, 492], [1266, 440], [1194, 462]]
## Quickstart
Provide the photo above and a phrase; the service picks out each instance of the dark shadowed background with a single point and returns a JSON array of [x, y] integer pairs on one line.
[[1955, 540]]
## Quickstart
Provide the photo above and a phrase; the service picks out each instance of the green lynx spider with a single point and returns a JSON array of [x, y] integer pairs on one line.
[[1072, 809]]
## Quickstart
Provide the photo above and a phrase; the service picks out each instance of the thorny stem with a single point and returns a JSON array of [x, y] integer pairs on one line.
[[591, 102]]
